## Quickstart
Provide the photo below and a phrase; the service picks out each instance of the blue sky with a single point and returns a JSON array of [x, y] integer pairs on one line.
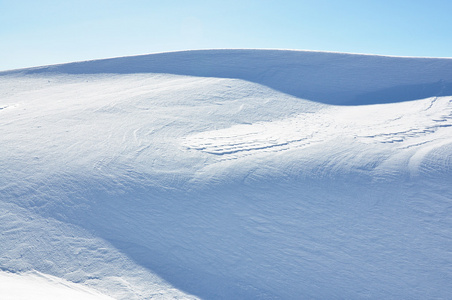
[[42, 32]]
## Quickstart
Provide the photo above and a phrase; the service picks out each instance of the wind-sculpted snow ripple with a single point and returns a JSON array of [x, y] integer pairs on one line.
[[396, 123]]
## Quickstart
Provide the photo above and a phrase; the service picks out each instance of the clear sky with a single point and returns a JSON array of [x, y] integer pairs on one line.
[[41, 32]]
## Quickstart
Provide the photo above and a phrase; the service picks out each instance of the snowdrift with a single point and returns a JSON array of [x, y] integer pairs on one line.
[[231, 174], [332, 78]]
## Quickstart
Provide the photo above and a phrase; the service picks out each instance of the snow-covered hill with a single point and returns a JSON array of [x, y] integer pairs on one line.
[[231, 174]]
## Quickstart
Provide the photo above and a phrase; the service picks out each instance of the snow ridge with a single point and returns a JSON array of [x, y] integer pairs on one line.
[[327, 77]]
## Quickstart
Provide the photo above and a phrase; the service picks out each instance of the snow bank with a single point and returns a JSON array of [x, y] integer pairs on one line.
[[207, 174]]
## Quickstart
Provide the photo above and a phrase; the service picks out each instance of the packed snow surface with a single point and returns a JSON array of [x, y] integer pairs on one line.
[[229, 174], [43, 287]]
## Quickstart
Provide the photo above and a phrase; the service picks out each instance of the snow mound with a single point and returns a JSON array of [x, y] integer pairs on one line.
[[231, 174], [332, 78]]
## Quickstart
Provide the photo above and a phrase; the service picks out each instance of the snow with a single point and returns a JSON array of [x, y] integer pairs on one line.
[[333, 78], [40, 286], [230, 174]]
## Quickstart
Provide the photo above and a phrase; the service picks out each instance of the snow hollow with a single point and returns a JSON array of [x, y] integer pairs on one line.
[[230, 174]]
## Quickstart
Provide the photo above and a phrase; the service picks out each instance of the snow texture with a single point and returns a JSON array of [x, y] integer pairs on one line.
[[40, 286], [231, 174]]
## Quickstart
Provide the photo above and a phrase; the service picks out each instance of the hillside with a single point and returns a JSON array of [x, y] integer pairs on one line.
[[231, 174]]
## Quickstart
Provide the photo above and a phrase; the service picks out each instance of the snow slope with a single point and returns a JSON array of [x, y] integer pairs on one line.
[[39, 286], [231, 174], [332, 78]]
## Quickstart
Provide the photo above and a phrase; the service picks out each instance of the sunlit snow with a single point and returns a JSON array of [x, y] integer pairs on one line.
[[39, 286], [230, 174]]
